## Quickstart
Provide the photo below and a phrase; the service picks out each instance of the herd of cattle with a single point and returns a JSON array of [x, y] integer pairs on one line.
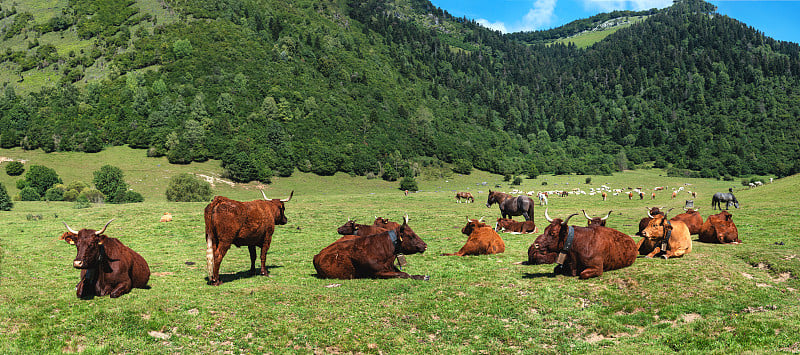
[[378, 250]]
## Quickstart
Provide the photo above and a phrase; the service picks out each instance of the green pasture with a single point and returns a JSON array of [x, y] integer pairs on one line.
[[717, 299]]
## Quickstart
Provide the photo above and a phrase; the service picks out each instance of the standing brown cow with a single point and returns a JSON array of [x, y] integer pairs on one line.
[[371, 256], [483, 240], [107, 266], [240, 223], [466, 196], [581, 251]]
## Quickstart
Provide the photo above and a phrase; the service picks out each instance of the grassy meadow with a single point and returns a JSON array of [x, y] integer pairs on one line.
[[717, 299]]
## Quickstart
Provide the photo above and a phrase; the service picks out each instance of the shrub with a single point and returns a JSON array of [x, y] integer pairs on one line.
[[462, 166], [54, 194], [5, 199], [82, 202], [71, 195], [108, 180], [21, 184], [15, 168], [77, 185], [544, 183], [408, 183], [389, 173], [92, 195], [517, 181], [133, 197], [187, 188], [29, 194], [41, 178], [588, 180]]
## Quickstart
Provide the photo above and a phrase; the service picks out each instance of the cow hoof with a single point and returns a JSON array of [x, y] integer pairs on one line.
[[426, 278], [665, 257]]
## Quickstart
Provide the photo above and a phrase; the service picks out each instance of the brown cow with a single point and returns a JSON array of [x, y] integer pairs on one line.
[[592, 250], [107, 266], [385, 223], [483, 240], [596, 221], [511, 226], [693, 220], [661, 235], [353, 229], [167, 217], [248, 223], [371, 256], [719, 228], [466, 196]]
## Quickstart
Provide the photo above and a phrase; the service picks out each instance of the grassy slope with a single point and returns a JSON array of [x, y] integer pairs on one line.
[[712, 300], [587, 39]]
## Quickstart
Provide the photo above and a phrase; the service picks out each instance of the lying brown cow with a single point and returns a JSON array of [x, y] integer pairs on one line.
[[596, 221], [385, 223], [581, 251], [661, 235], [693, 220], [483, 240], [240, 223], [371, 256], [719, 228], [107, 266], [511, 226]]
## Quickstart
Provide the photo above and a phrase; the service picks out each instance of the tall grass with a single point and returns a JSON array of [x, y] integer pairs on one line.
[[719, 298]]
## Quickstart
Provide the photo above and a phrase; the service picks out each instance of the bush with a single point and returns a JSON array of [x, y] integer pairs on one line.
[[133, 197], [15, 168], [588, 180], [517, 181], [389, 173], [108, 180], [41, 178], [71, 195], [5, 199], [462, 166], [21, 184], [77, 185], [82, 202], [408, 183], [544, 183], [54, 194], [29, 194], [186, 188], [92, 195]]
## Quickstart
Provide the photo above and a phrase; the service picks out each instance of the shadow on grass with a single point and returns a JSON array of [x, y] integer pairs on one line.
[[243, 274], [537, 275]]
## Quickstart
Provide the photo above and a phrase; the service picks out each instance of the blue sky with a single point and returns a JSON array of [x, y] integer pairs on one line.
[[777, 19]]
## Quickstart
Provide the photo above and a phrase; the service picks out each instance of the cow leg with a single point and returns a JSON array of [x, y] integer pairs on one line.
[[121, 289], [264, 271], [252, 250], [526, 215], [219, 253], [592, 271], [653, 253]]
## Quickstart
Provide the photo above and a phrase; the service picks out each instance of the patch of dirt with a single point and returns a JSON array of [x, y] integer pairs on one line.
[[794, 348], [762, 265], [691, 317], [594, 338], [783, 277], [747, 276], [162, 273]]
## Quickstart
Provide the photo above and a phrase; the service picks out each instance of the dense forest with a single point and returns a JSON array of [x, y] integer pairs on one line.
[[383, 87]]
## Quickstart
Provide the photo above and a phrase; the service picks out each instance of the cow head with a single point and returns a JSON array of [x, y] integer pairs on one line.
[[657, 227], [348, 228], [546, 247], [280, 217], [596, 221], [410, 242], [472, 225], [504, 223], [89, 243]]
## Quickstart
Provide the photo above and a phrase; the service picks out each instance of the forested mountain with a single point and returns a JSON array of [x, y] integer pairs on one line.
[[383, 87]]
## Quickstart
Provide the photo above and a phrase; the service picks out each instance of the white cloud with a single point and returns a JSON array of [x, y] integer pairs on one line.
[[539, 16], [637, 5], [498, 26]]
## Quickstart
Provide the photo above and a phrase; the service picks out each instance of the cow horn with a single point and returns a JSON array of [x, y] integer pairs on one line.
[[69, 229], [696, 209], [587, 216], [290, 197], [405, 219], [649, 215], [263, 194], [607, 215], [104, 228], [468, 220], [546, 216], [568, 217], [481, 220]]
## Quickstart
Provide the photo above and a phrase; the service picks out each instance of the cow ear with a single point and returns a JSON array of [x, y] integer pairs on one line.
[[69, 238], [102, 239]]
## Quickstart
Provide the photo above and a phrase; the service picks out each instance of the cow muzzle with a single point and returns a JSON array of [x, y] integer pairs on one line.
[[78, 264]]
